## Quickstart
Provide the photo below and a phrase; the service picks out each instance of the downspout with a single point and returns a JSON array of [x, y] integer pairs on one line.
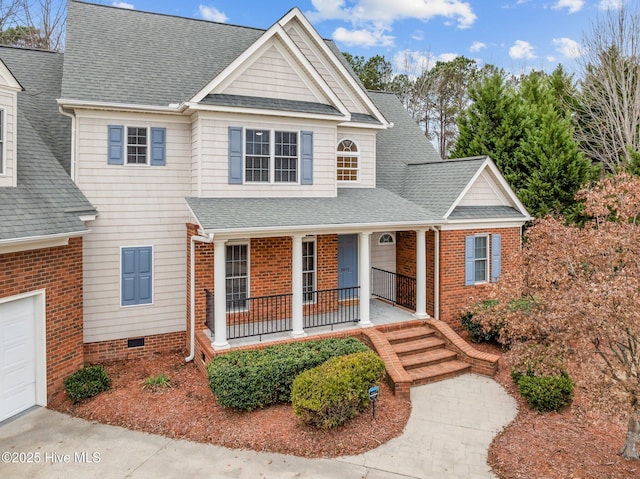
[[436, 272], [72, 165], [192, 293]]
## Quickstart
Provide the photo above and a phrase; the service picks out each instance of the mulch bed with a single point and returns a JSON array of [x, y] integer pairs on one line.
[[188, 410]]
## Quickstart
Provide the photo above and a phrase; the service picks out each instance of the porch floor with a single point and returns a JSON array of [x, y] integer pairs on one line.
[[380, 313]]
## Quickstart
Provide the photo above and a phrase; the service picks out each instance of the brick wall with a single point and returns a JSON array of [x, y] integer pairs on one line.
[[453, 292], [59, 272], [269, 269], [118, 349]]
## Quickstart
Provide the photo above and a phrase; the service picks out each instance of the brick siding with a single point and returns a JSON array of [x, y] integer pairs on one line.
[[59, 272]]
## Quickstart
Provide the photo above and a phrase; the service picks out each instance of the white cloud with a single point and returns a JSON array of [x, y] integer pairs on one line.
[[126, 5], [477, 46], [413, 63], [362, 37], [212, 14], [572, 5], [418, 35], [446, 57], [567, 47], [384, 12], [610, 4], [522, 50], [551, 59]]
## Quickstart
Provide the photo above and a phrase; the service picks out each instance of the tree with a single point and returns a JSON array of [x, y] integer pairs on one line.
[[375, 73], [571, 295], [525, 126], [493, 122], [550, 167], [608, 110], [33, 24], [444, 98]]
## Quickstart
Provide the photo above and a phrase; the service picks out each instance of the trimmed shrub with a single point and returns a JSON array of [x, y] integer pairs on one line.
[[87, 383], [254, 379], [336, 391], [545, 393]]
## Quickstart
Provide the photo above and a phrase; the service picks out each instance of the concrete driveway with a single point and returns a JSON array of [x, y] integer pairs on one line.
[[451, 426]]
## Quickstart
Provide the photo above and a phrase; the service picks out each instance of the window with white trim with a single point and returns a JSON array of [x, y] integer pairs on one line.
[[347, 161], [137, 145], [308, 269], [237, 276], [481, 259], [271, 156]]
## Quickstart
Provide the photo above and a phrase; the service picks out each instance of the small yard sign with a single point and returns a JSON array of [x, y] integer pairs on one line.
[[373, 397]]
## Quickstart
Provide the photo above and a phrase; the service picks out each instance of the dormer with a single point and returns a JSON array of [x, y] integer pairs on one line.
[[9, 88]]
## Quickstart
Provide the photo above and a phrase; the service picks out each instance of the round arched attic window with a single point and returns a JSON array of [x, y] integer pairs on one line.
[[386, 238]]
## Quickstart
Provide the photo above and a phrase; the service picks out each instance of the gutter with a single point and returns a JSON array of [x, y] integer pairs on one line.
[[192, 317]]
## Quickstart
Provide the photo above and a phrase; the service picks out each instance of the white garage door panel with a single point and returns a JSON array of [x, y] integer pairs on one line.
[[17, 356]]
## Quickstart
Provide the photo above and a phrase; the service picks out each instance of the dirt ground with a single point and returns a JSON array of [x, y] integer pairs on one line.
[[569, 444]]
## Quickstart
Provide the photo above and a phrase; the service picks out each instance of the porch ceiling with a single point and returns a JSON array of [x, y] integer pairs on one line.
[[369, 207]]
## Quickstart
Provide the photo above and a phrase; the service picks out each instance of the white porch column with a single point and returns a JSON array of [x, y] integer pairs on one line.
[[220, 294], [364, 274], [421, 274], [297, 302]]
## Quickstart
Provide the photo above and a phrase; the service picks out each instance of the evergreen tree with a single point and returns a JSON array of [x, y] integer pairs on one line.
[[526, 128]]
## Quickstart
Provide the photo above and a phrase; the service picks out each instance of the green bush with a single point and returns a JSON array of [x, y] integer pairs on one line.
[[545, 393], [254, 379], [87, 382], [336, 391]]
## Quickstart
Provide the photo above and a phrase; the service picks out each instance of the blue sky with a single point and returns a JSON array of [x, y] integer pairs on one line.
[[517, 35]]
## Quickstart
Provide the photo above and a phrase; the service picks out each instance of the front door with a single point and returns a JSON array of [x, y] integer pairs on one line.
[[347, 261]]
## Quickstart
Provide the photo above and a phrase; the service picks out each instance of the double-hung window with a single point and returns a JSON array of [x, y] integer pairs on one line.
[[271, 156], [237, 276], [482, 255], [137, 139], [308, 270]]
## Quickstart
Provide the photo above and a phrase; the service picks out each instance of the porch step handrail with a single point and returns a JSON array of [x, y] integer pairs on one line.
[[394, 287]]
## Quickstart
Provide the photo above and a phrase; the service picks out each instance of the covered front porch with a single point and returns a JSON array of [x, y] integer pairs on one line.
[[241, 331]]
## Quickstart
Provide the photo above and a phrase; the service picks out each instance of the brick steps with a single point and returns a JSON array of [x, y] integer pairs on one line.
[[424, 355]]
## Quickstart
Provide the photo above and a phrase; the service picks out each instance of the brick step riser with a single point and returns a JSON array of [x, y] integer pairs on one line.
[[419, 348], [428, 362], [411, 335], [439, 377]]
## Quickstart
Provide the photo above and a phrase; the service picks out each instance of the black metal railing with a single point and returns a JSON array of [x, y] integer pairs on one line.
[[272, 314], [331, 306], [393, 287]]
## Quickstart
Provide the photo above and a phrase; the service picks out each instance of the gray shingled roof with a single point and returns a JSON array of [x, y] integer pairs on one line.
[[270, 104], [352, 206], [46, 201], [438, 184], [398, 146]]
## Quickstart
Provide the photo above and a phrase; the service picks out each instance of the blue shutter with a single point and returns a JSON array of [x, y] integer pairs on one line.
[[469, 260], [115, 139], [496, 260], [235, 155], [306, 158], [136, 275], [158, 146]]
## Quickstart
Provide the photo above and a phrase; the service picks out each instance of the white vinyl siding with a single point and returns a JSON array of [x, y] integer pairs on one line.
[[8, 173], [136, 206], [485, 191], [272, 75], [214, 150], [325, 68]]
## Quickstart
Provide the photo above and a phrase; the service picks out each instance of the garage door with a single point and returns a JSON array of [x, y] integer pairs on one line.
[[17, 356]]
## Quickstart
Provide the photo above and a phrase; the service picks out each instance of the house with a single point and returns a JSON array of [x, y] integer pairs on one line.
[[167, 176]]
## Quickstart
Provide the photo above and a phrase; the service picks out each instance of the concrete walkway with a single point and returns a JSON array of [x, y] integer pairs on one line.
[[451, 425]]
